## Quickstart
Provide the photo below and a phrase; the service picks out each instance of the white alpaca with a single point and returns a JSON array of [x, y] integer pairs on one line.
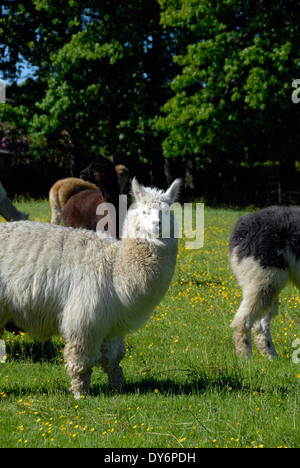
[[89, 288]]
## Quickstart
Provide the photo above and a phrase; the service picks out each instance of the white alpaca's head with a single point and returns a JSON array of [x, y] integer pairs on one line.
[[150, 216]]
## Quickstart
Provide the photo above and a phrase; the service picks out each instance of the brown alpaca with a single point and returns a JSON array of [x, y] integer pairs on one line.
[[87, 208], [64, 189], [60, 193]]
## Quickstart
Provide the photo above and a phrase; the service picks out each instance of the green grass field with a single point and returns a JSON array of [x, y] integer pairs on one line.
[[185, 386]]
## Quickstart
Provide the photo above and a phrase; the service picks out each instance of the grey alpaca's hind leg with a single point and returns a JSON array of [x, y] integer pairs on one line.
[[262, 333], [248, 316], [261, 287]]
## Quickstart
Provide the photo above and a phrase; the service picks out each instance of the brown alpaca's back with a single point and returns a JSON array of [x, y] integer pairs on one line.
[[62, 191]]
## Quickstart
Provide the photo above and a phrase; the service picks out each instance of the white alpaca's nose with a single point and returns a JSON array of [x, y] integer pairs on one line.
[[156, 226]]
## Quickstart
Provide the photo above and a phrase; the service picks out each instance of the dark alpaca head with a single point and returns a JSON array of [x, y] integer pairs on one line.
[[102, 172]]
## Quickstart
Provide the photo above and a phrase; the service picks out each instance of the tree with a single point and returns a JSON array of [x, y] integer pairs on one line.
[[105, 67], [232, 98], [31, 30]]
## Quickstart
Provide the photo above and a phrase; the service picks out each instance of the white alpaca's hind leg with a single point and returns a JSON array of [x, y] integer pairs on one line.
[[112, 352]]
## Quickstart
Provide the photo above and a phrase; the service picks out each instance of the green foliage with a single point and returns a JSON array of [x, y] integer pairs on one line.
[[190, 80], [233, 96], [104, 67]]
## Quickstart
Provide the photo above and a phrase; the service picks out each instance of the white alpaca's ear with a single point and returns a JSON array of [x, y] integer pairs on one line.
[[173, 191], [137, 189]]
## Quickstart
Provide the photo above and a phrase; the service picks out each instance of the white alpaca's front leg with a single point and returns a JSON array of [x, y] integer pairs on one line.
[[79, 369]]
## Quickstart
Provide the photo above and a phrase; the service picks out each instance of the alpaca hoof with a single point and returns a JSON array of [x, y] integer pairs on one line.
[[79, 395], [244, 354]]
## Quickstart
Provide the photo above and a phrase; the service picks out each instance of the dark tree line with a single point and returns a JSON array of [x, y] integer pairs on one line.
[[168, 87]]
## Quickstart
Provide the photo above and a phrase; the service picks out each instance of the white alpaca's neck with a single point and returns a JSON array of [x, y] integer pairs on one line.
[[142, 274], [146, 259]]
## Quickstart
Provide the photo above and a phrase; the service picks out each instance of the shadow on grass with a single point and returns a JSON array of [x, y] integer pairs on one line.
[[198, 384], [223, 385], [19, 349], [221, 379], [164, 386]]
